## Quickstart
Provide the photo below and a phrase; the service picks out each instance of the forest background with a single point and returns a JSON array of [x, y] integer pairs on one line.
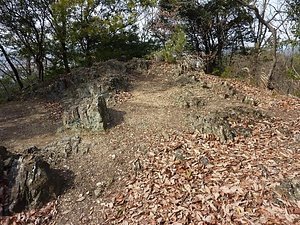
[[41, 40]]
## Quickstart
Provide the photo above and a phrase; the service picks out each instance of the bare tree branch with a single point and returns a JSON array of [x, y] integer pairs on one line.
[[274, 34]]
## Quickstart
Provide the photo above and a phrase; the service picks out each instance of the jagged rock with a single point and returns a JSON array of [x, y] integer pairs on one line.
[[287, 190], [65, 147], [108, 76], [227, 91], [102, 86], [185, 80], [100, 79], [138, 65], [217, 123], [28, 182], [31, 150], [187, 99], [91, 114]]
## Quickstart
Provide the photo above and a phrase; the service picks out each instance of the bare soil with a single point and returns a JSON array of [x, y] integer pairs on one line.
[[134, 123], [148, 114]]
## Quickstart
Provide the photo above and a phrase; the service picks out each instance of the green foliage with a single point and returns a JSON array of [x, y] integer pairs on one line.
[[8, 88], [228, 72], [211, 27], [293, 7], [291, 74], [71, 33], [174, 47], [100, 30], [216, 72], [24, 24]]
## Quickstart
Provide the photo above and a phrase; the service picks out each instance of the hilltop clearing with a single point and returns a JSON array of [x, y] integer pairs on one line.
[[181, 148]]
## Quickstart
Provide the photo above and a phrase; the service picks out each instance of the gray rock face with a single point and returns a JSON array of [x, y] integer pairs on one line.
[[188, 99], [89, 113], [215, 124], [218, 123], [109, 75], [28, 182], [226, 91], [66, 147], [287, 190]]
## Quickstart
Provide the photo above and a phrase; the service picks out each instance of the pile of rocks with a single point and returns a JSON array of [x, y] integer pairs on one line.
[[26, 181]]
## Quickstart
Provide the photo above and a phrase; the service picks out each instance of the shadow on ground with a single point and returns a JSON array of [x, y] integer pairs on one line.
[[116, 118]]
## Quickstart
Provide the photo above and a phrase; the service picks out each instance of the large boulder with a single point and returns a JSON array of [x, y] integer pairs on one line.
[[89, 113], [28, 182]]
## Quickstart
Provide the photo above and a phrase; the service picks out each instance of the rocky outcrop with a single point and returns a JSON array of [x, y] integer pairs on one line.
[[188, 99], [288, 189], [92, 90], [64, 148], [228, 124], [89, 113], [226, 91], [109, 76], [27, 181]]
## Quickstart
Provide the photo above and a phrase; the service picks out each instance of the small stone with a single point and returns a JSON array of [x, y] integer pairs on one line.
[[99, 184], [98, 192], [66, 166], [204, 160], [66, 212], [80, 199], [137, 165], [7, 162], [166, 136], [178, 155]]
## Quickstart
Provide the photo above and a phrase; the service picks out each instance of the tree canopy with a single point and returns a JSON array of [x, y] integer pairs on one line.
[[46, 37]]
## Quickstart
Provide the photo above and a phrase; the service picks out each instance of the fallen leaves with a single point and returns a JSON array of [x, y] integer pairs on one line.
[[194, 179], [39, 216], [54, 109], [122, 96], [183, 177]]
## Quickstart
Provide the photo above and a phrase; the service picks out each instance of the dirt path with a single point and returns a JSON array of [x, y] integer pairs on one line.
[[26, 123], [145, 116]]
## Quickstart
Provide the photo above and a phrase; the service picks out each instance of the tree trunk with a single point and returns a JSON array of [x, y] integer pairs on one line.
[[14, 69], [65, 57], [28, 66], [270, 74], [40, 66], [274, 55]]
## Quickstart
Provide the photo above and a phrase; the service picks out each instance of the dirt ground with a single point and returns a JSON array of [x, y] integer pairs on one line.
[[148, 114]]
